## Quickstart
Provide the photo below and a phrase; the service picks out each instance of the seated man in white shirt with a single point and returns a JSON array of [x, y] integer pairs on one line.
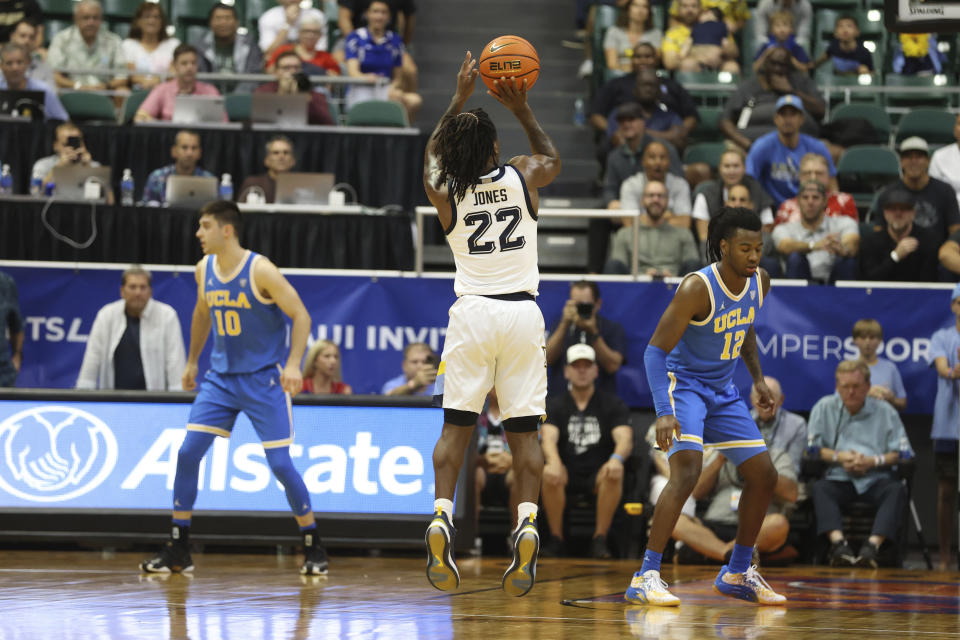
[[945, 162], [135, 342]]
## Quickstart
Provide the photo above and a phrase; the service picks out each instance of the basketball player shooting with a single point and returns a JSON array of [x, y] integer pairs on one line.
[[690, 363], [495, 337]]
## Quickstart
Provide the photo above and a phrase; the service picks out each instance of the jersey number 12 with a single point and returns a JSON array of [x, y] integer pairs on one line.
[[737, 340]]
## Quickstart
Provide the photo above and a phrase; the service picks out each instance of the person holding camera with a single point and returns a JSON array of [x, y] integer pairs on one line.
[[68, 149], [580, 322], [419, 372], [291, 80]]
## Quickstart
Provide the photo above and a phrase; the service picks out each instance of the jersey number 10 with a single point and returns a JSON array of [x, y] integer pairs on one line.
[[483, 220], [228, 322]]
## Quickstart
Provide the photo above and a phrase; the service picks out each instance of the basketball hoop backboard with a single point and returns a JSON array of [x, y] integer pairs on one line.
[[922, 16]]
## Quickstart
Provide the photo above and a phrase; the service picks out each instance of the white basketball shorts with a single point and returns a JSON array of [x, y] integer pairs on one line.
[[494, 343]]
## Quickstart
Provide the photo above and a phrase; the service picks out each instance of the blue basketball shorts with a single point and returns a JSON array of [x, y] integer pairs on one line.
[[259, 395], [713, 419]]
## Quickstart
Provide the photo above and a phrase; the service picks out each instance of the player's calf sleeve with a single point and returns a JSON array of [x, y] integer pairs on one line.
[[191, 452], [655, 363], [297, 496]]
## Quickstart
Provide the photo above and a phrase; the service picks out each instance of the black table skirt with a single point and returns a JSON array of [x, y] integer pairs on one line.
[[166, 236], [384, 168]]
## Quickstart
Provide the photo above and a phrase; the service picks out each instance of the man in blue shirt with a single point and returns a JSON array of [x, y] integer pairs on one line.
[[419, 372], [186, 153], [774, 158], [14, 62], [945, 356], [859, 438]]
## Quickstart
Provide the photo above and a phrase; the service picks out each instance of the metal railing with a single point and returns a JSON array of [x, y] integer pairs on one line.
[[546, 212]]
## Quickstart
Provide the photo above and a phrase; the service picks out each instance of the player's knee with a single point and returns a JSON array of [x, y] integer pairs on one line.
[[459, 418], [684, 478]]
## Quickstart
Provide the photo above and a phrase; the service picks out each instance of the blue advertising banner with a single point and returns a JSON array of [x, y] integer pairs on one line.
[[122, 455], [803, 332]]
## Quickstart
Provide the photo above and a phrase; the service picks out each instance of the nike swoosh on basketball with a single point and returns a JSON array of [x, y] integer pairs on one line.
[[496, 47]]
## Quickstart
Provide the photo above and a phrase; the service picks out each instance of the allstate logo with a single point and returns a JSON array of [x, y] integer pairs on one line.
[[54, 453]]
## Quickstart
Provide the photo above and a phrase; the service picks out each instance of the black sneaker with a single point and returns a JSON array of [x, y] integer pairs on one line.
[[442, 569], [314, 555], [522, 572], [868, 556], [841, 555], [552, 547], [599, 549], [174, 557]]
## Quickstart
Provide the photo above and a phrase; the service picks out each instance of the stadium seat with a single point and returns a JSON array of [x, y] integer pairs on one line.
[[932, 98], [238, 106], [377, 113], [708, 129], [864, 168], [53, 27], [877, 116], [88, 107], [708, 152], [825, 78], [122, 8], [57, 8], [132, 103], [933, 125], [604, 17], [712, 78], [184, 12]]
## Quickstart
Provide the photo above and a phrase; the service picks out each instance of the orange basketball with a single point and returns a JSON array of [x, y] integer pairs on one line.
[[506, 57]]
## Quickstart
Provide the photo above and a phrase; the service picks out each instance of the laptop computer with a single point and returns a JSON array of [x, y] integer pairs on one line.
[[289, 110], [304, 188], [191, 191], [70, 181], [198, 109], [24, 104]]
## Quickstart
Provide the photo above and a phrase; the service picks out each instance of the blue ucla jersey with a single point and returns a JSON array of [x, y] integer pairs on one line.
[[709, 348], [248, 329]]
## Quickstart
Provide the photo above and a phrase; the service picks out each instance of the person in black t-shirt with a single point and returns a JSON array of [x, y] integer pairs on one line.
[[585, 438], [899, 250]]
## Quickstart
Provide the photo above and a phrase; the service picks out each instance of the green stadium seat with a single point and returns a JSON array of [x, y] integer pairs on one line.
[[88, 107], [238, 106], [604, 17], [132, 103], [712, 78], [864, 168], [933, 125], [876, 115], [57, 8], [183, 12], [708, 129], [53, 27], [708, 152], [377, 113], [934, 97], [826, 79], [122, 8]]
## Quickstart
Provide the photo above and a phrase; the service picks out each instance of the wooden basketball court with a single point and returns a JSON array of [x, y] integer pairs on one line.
[[101, 595]]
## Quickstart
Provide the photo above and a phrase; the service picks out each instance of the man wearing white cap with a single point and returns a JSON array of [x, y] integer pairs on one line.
[[774, 159], [935, 201], [586, 438]]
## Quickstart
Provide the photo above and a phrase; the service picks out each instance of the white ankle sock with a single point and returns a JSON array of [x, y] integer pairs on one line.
[[525, 509], [446, 506]]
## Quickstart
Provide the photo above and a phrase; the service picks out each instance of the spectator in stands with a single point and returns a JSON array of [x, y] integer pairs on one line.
[[68, 149], [586, 439], [321, 370], [419, 372], [945, 358], [160, 102], [291, 80], [663, 250], [781, 429], [774, 158], [949, 256], [493, 482], [186, 154], [11, 337], [735, 12], [622, 90], [374, 52], [279, 25], [814, 166], [353, 15], [818, 247], [782, 35], [279, 159], [88, 44], [14, 60], [845, 51], [634, 25], [147, 49], [801, 10], [709, 47], [713, 194], [935, 201], [677, 37], [945, 163], [655, 163], [223, 49], [661, 122], [315, 61], [581, 323], [27, 34], [12, 12], [135, 342], [898, 250], [885, 381], [859, 437], [916, 53], [750, 110]]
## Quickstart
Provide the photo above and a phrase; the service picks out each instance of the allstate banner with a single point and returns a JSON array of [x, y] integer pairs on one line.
[[803, 332]]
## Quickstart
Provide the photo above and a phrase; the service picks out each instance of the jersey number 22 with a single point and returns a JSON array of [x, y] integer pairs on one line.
[[482, 220]]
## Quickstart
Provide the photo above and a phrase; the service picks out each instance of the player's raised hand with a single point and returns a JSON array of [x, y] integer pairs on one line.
[[291, 380], [667, 428], [189, 378], [467, 77], [511, 93]]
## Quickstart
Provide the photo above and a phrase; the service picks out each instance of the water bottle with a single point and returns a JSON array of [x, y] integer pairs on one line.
[[906, 453], [126, 188], [6, 181], [226, 187], [36, 184], [579, 115]]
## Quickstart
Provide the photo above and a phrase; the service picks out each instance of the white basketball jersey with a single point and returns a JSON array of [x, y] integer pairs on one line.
[[493, 236]]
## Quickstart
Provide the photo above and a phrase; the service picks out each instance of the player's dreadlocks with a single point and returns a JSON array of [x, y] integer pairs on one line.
[[464, 145], [725, 225]]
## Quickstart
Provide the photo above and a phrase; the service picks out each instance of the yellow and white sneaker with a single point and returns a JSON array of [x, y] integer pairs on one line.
[[649, 588], [748, 586], [522, 572], [442, 569]]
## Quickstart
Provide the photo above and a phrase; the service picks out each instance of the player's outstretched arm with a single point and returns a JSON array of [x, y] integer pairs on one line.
[[199, 330], [543, 166], [279, 289]]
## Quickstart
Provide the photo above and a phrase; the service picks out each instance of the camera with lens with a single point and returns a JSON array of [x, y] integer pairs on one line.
[[585, 310]]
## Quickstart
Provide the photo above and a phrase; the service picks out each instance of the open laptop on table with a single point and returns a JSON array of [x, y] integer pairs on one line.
[[191, 191], [70, 181], [199, 109], [289, 110], [23, 104], [304, 188]]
